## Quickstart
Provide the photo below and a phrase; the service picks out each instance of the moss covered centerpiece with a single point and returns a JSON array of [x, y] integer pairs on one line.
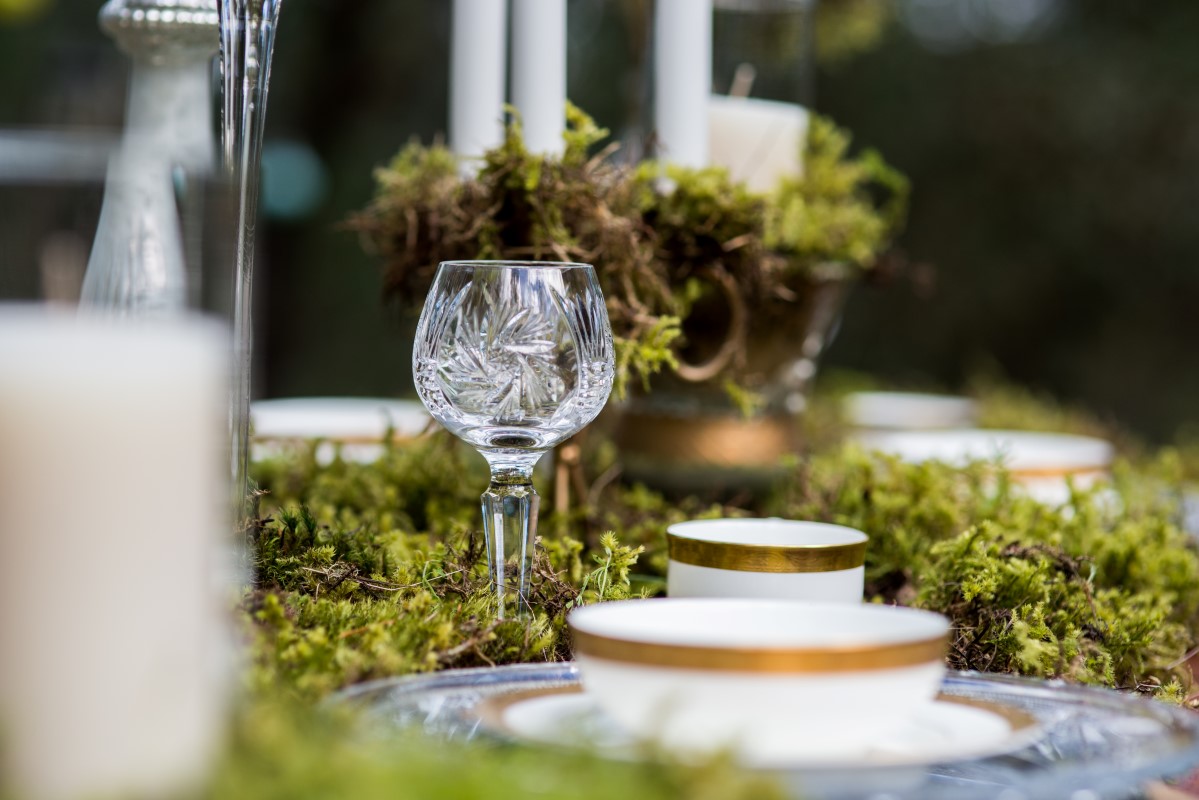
[[720, 298]]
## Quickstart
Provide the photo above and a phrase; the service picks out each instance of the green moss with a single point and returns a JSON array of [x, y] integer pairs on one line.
[[1085, 592], [373, 570], [701, 218], [347, 589], [830, 215], [847, 28], [366, 571]]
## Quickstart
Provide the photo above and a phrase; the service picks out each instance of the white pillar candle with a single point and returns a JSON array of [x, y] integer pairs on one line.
[[477, 74], [683, 71], [539, 71], [112, 501], [757, 141]]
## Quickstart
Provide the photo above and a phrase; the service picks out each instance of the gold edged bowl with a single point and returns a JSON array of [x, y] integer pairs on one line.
[[707, 674]]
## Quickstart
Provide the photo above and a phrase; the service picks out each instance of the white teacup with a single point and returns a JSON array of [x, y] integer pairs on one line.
[[770, 679], [766, 558]]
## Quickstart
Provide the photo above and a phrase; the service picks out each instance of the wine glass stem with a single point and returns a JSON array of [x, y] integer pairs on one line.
[[510, 525]]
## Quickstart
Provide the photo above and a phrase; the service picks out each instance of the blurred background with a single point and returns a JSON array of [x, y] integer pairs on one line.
[[1053, 147]]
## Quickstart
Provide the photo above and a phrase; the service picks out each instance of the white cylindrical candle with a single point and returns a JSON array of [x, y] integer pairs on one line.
[[539, 71], [477, 74], [759, 142], [683, 73], [112, 502]]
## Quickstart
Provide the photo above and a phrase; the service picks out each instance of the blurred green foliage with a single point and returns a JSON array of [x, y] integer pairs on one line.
[[1054, 206], [281, 751], [20, 10], [1051, 232]]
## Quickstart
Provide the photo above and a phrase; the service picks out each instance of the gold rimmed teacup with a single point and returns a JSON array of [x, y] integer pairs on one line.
[[709, 673], [766, 558]]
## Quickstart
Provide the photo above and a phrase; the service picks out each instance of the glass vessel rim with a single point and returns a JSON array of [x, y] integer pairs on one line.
[[559, 266]]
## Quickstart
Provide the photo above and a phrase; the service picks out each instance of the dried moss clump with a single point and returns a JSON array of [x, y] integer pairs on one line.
[[660, 237], [523, 206]]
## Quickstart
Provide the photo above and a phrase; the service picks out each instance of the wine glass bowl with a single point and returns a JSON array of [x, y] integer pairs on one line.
[[513, 358]]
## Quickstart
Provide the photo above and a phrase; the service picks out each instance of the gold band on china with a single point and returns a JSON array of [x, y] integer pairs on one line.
[[766, 558], [774, 660], [716, 441]]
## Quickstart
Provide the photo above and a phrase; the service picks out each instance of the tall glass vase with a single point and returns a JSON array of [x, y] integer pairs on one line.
[[247, 48], [140, 260]]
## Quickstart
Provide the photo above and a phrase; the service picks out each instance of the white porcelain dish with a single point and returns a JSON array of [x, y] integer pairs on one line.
[[352, 426], [1044, 464], [760, 676], [766, 558], [943, 731], [1105, 745], [909, 411]]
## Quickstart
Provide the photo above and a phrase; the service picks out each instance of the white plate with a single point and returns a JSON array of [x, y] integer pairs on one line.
[[1019, 451], [337, 418], [948, 730], [909, 411], [356, 424], [1044, 464]]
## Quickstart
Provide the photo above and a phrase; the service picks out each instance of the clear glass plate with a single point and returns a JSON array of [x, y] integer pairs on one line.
[[1095, 743]]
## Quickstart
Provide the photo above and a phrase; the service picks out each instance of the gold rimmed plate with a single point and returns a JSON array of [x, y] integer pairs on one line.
[[948, 730]]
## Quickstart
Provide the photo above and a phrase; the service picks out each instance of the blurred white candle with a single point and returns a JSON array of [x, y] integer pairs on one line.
[[539, 71], [683, 73], [478, 71], [112, 502], [757, 141]]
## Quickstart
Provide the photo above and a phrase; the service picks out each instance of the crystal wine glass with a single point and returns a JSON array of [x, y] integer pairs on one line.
[[514, 358]]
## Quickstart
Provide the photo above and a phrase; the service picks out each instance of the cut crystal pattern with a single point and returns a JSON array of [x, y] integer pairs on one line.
[[514, 358], [506, 361]]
